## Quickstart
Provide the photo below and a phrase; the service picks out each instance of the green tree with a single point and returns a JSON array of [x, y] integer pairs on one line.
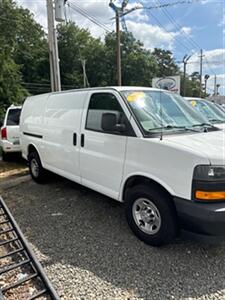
[[11, 90], [192, 86], [138, 64], [166, 64], [31, 49], [76, 44]]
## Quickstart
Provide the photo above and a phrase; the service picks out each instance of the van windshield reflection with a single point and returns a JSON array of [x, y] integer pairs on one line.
[[157, 110]]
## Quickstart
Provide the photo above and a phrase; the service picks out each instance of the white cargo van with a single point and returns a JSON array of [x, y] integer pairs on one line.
[[209, 110], [9, 137], [142, 146]]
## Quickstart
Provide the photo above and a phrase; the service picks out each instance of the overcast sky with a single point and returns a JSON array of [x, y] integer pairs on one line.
[[183, 28]]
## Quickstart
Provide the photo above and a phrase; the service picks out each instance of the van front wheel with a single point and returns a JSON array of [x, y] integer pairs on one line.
[[151, 215], [37, 172]]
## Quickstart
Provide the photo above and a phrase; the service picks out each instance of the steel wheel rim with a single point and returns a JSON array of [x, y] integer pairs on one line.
[[34, 167], [146, 216]]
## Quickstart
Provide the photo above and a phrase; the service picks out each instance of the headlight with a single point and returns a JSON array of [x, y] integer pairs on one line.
[[209, 173], [208, 183]]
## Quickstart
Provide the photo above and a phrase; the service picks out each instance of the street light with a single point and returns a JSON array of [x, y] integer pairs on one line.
[[185, 61], [206, 79]]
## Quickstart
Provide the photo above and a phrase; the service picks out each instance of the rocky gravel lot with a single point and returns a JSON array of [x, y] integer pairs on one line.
[[88, 252]]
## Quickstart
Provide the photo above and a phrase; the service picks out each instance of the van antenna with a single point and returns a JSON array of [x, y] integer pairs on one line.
[[161, 115]]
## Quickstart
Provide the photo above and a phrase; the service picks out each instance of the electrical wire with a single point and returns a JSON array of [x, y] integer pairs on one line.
[[189, 39], [173, 37], [179, 27], [89, 17]]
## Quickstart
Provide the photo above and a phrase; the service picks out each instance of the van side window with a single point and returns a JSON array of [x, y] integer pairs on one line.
[[104, 103]]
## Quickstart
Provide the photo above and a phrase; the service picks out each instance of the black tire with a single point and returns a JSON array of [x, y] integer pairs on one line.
[[40, 175], [5, 156], [167, 229]]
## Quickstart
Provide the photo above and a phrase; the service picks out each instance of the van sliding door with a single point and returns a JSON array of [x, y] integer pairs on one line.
[[61, 131]]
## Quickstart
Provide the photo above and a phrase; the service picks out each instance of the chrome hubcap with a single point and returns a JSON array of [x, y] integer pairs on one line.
[[34, 167], [146, 216]]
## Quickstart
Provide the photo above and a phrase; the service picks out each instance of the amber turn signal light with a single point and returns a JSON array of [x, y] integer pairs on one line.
[[204, 195]]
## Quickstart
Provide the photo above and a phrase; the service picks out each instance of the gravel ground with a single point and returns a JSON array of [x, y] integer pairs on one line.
[[87, 250]]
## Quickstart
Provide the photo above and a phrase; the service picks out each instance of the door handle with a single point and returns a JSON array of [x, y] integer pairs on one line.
[[82, 140], [74, 139]]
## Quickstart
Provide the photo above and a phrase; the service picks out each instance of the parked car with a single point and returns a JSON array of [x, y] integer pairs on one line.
[[9, 139], [209, 110], [145, 147], [220, 107]]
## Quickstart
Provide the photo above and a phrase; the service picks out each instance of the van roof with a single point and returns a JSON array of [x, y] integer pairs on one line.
[[12, 106], [194, 98], [115, 88]]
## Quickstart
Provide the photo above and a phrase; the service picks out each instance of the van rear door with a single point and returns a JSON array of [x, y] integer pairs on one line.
[[102, 153], [12, 125]]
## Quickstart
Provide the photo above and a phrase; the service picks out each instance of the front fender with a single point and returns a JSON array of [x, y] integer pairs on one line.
[[148, 176]]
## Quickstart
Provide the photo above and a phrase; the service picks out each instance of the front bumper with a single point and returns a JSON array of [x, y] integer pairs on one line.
[[201, 218]]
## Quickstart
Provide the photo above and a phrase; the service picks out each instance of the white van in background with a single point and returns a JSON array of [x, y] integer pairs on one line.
[[9, 137], [142, 146], [209, 110]]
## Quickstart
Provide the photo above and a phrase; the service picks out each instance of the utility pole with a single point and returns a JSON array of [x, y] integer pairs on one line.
[[83, 62], [118, 50], [53, 49], [201, 60], [119, 11], [185, 61]]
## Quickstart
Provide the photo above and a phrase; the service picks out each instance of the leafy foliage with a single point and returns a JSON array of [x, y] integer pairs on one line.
[[24, 58]]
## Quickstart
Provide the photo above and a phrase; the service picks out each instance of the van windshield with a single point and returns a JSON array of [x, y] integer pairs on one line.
[[13, 118], [209, 110], [157, 110]]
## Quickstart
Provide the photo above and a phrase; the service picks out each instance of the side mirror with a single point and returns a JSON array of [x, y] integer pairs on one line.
[[109, 123]]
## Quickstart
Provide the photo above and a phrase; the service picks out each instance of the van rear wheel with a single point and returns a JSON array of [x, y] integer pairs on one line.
[[5, 156], [151, 215], [37, 172]]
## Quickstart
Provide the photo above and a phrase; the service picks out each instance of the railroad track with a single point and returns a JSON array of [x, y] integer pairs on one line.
[[21, 275]]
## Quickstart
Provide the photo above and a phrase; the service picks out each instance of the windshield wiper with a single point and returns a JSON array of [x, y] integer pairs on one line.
[[217, 121], [203, 124], [173, 127]]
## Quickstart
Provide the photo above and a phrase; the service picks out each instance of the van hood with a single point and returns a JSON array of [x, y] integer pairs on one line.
[[209, 144], [220, 126]]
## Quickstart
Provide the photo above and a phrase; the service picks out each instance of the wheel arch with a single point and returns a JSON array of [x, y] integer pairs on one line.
[[31, 148], [136, 179]]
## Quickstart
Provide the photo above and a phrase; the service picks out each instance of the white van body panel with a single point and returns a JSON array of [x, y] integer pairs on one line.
[[107, 160], [220, 126], [62, 119], [163, 161], [31, 122]]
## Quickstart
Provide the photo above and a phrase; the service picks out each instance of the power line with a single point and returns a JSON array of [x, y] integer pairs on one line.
[[188, 38], [88, 16], [209, 66], [173, 37], [179, 27], [208, 62], [159, 6]]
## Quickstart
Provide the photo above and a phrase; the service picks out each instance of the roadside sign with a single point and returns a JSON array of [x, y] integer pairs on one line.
[[171, 83]]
